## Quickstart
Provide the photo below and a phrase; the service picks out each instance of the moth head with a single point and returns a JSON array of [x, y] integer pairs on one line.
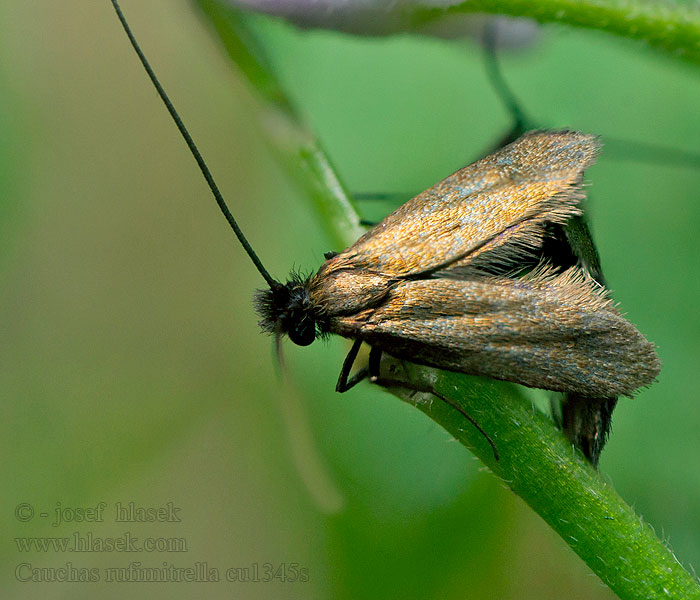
[[285, 308]]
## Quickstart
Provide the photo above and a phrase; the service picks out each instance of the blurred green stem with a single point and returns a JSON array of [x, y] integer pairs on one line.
[[536, 461], [296, 146], [669, 26]]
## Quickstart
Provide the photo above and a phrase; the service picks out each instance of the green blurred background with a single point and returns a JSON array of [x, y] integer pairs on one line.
[[131, 366]]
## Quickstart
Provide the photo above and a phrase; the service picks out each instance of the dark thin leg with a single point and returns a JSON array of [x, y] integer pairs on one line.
[[395, 198], [390, 196], [372, 371], [501, 87], [375, 359], [344, 384], [429, 390]]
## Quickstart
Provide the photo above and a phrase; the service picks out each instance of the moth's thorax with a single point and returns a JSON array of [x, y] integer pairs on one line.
[[338, 289]]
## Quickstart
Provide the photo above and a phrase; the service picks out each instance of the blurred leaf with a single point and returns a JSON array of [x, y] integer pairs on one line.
[[670, 26]]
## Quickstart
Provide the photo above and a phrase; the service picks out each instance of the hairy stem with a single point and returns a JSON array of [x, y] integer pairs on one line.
[[668, 26]]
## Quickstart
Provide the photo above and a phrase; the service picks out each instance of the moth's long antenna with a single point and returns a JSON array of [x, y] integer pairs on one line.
[[194, 150], [626, 149]]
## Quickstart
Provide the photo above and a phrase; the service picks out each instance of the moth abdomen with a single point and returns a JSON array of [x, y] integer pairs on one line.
[[428, 283]]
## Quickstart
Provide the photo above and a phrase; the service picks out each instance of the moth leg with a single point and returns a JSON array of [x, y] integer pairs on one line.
[[503, 91], [375, 359], [397, 197], [372, 370], [394, 197], [344, 384], [427, 389]]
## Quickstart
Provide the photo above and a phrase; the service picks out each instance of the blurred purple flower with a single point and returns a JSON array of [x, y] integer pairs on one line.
[[383, 17]]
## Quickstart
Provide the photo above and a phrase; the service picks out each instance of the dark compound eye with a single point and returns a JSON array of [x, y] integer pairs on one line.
[[303, 332]]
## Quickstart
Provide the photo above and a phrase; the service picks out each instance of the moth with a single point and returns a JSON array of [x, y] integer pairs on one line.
[[419, 285], [441, 281]]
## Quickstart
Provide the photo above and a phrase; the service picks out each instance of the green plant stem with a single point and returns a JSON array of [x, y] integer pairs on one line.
[[536, 461], [671, 27], [296, 147], [540, 465]]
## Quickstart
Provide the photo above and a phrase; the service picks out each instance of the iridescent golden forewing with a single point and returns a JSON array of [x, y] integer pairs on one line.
[[553, 332], [496, 205]]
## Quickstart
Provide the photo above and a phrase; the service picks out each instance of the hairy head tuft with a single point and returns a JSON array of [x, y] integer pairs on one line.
[[287, 309]]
